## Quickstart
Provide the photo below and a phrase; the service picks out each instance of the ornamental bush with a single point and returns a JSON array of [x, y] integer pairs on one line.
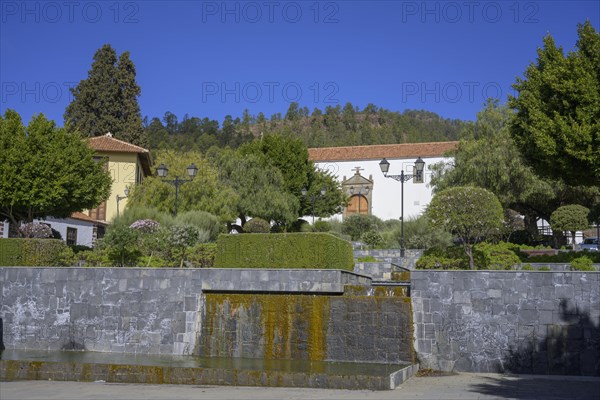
[[500, 256], [372, 239], [322, 226], [284, 250], [145, 225], [582, 264], [35, 230], [202, 220], [257, 225], [32, 252]]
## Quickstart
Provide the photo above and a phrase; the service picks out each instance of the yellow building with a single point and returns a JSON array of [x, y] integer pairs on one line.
[[128, 165]]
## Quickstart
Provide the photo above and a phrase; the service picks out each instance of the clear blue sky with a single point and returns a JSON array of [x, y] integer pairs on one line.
[[210, 59]]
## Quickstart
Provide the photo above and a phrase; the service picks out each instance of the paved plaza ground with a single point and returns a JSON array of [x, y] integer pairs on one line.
[[458, 386]]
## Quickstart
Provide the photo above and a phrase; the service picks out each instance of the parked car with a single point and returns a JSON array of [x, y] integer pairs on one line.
[[590, 244]]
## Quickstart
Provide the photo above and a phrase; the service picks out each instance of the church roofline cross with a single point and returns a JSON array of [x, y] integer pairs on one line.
[[358, 169]]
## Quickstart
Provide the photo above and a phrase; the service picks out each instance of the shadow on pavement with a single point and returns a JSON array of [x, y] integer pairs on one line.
[[536, 387]]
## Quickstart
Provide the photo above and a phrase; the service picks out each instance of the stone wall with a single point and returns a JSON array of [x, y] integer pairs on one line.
[[495, 321], [133, 310], [357, 327]]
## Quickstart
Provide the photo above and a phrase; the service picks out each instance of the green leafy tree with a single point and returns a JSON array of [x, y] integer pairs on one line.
[[488, 157], [203, 193], [107, 100], [356, 225], [290, 156], [557, 121], [45, 171], [259, 188], [469, 213], [570, 218]]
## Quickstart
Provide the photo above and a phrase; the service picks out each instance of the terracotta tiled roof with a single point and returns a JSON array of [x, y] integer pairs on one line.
[[83, 217], [377, 152], [109, 143]]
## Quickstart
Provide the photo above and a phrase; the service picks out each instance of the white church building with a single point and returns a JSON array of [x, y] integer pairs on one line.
[[357, 169]]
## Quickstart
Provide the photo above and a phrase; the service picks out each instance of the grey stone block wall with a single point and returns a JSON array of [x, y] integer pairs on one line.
[[132, 310], [496, 321], [356, 328], [393, 256]]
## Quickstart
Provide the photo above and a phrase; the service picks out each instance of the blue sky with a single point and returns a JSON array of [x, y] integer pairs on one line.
[[213, 58]]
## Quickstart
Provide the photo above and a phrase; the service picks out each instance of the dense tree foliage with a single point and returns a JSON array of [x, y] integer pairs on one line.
[[46, 171], [204, 193], [557, 121], [335, 126], [107, 100], [259, 187], [470, 213], [290, 156], [570, 218], [488, 157]]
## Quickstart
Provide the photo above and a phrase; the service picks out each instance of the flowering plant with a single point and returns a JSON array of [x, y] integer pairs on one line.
[[145, 225], [34, 230]]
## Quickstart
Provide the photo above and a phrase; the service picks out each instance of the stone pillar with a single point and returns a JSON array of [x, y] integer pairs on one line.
[[1, 336]]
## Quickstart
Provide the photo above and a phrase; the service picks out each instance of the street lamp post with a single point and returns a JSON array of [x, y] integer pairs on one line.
[[313, 198], [119, 198], [162, 171], [360, 194], [385, 166]]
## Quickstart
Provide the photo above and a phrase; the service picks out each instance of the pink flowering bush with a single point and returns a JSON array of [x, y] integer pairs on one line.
[[34, 230], [145, 225]]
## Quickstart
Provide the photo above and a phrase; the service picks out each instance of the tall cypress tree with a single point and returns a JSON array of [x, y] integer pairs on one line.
[[107, 100]]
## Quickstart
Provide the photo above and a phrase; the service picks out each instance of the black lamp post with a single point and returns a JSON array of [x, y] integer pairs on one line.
[[360, 194], [119, 198], [313, 198], [162, 171], [385, 167]]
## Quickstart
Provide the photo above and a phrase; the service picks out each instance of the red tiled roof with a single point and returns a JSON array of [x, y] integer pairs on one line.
[[83, 217], [109, 143], [377, 152]]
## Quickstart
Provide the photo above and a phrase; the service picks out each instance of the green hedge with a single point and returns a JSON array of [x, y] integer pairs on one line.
[[284, 250], [32, 252]]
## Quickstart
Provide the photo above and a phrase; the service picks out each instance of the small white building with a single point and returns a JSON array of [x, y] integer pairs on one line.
[[357, 169]]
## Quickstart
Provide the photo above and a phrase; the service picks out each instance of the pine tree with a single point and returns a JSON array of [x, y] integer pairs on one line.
[[107, 100]]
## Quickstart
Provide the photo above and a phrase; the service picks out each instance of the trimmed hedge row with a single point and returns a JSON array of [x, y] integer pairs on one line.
[[31, 252], [284, 250]]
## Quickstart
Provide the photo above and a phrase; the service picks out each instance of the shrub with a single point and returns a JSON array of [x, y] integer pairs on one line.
[[439, 262], [67, 257], [357, 224], [322, 226], [340, 235], [121, 244], [95, 258], [135, 213], [180, 237], [284, 250], [145, 225], [582, 264], [527, 267], [34, 230], [202, 220], [420, 234], [496, 256], [78, 248], [257, 225], [372, 239], [203, 255], [31, 252], [544, 269]]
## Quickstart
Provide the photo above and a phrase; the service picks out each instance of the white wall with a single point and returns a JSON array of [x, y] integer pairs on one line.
[[85, 230], [386, 191]]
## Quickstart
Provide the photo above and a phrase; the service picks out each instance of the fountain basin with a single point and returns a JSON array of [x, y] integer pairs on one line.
[[169, 369]]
